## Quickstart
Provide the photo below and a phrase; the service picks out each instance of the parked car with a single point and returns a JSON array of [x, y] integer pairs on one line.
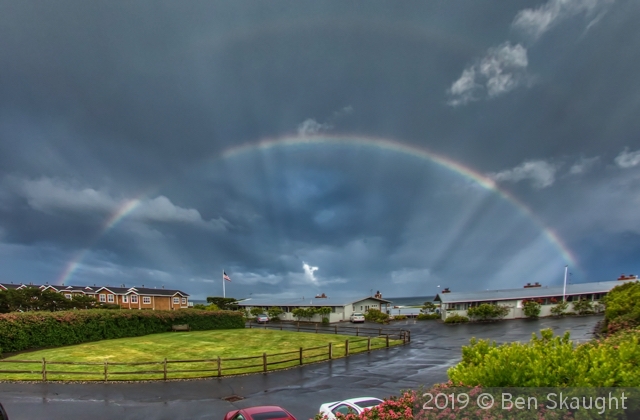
[[3, 414], [262, 318], [353, 405], [357, 317], [263, 412]]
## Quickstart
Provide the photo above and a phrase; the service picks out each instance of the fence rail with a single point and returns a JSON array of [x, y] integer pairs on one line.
[[211, 367]]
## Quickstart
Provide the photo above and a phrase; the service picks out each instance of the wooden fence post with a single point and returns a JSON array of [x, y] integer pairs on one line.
[[380, 331], [346, 347], [409, 336], [387, 340], [330, 351], [300, 355], [44, 370], [280, 327], [106, 371], [264, 362], [404, 338], [316, 328], [336, 328], [357, 331], [219, 367], [249, 324], [165, 368], [368, 343], [298, 326]]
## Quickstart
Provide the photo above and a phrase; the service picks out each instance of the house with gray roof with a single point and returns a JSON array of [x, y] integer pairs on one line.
[[341, 308], [457, 303]]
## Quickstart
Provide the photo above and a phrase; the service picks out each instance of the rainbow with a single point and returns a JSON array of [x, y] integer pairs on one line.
[[338, 140]]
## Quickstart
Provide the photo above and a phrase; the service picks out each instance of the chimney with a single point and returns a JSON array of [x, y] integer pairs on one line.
[[446, 290]]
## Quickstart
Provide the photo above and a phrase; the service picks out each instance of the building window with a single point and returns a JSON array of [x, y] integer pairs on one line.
[[110, 298], [176, 300], [125, 299], [146, 300], [134, 299], [103, 298], [184, 301], [67, 295]]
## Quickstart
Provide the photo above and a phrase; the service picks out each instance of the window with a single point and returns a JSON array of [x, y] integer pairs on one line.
[[146, 300], [125, 299], [176, 300], [134, 299], [110, 298], [184, 301], [103, 298], [67, 295]]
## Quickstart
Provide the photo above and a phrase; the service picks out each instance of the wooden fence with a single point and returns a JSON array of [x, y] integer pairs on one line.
[[215, 367], [401, 334]]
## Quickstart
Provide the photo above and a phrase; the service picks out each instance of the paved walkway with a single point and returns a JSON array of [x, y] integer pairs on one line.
[[434, 348]]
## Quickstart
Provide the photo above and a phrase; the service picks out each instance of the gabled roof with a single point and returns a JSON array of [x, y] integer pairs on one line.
[[527, 293], [276, 301], [147, 291]]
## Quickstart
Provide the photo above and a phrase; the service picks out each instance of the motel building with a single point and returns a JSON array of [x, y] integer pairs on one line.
[[127, 298], [341, 308], [457, 303]]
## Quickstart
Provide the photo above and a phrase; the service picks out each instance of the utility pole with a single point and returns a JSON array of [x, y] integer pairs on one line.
[[564, 290]]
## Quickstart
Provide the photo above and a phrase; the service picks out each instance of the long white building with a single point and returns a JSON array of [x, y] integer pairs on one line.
[[457, 303]]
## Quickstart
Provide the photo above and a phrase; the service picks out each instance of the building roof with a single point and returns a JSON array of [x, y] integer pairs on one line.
[[6, 286], [328, 301], [527, 293], [147, 291]]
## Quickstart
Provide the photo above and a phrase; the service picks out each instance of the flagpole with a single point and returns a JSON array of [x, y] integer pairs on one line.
[[564, 290], [223, 292]]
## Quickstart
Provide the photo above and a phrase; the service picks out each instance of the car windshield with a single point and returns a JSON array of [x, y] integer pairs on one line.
[[367, 403], [271, 415]]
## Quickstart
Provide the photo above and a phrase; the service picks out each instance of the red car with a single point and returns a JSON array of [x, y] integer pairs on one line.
[[264, 412]]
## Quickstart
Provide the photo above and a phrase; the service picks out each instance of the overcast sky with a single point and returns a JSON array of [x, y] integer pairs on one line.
[[159, 143]]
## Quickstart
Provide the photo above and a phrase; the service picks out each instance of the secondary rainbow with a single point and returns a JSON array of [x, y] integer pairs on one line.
[[343, 140]]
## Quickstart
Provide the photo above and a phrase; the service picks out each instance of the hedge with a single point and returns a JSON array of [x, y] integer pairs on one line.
[[32, 330]]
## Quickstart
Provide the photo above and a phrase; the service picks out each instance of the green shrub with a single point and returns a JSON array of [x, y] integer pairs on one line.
[[456, 319], [399, 317], [531, 308], [274, 313], [549, 361], [622, 307], [583, 306], [376, 315], [487, 311], [559, 308], [427, 316], [29, 330], [325, 320]]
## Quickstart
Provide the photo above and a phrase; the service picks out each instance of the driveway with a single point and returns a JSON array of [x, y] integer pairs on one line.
[[434, 347]]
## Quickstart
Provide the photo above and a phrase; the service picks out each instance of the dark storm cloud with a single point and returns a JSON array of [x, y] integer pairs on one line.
[[107, 102]]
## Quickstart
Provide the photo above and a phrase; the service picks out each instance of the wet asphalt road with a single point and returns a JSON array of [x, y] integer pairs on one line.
[[434, 347]]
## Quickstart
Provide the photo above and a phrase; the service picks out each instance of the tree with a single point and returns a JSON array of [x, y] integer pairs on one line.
[[324, 312], [583, 306], [531, 308], [274, 312], [299, 313], [255, 311], [224, 303], [486, 311], [559, 308], [428, 307]]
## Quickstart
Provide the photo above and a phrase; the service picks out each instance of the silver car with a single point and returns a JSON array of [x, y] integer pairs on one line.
[[357, 317], [262, 319], [353, 405]]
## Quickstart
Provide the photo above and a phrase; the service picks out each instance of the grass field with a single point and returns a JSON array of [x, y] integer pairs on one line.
[[204, 346]]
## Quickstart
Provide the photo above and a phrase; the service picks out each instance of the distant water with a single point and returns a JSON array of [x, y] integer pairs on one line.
[[409, 301]]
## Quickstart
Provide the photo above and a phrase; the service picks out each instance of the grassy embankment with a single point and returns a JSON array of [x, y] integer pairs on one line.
[[196, 345]]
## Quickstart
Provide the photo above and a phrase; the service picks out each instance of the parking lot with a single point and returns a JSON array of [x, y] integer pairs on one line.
[[434, 347]]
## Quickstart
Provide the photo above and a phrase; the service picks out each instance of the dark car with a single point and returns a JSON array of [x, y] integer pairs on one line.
[[3, 414], [264, 412]]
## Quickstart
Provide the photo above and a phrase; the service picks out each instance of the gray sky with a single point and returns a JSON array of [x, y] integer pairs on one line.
[[238, 137]]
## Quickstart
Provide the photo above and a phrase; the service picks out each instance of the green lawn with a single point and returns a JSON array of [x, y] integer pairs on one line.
[[205, 346]]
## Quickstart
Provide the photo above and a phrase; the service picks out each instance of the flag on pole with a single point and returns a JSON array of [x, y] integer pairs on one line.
[[224, 276]]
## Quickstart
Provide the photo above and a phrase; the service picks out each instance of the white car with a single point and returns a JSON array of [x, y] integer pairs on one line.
[[353, 405], [357, 317]]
